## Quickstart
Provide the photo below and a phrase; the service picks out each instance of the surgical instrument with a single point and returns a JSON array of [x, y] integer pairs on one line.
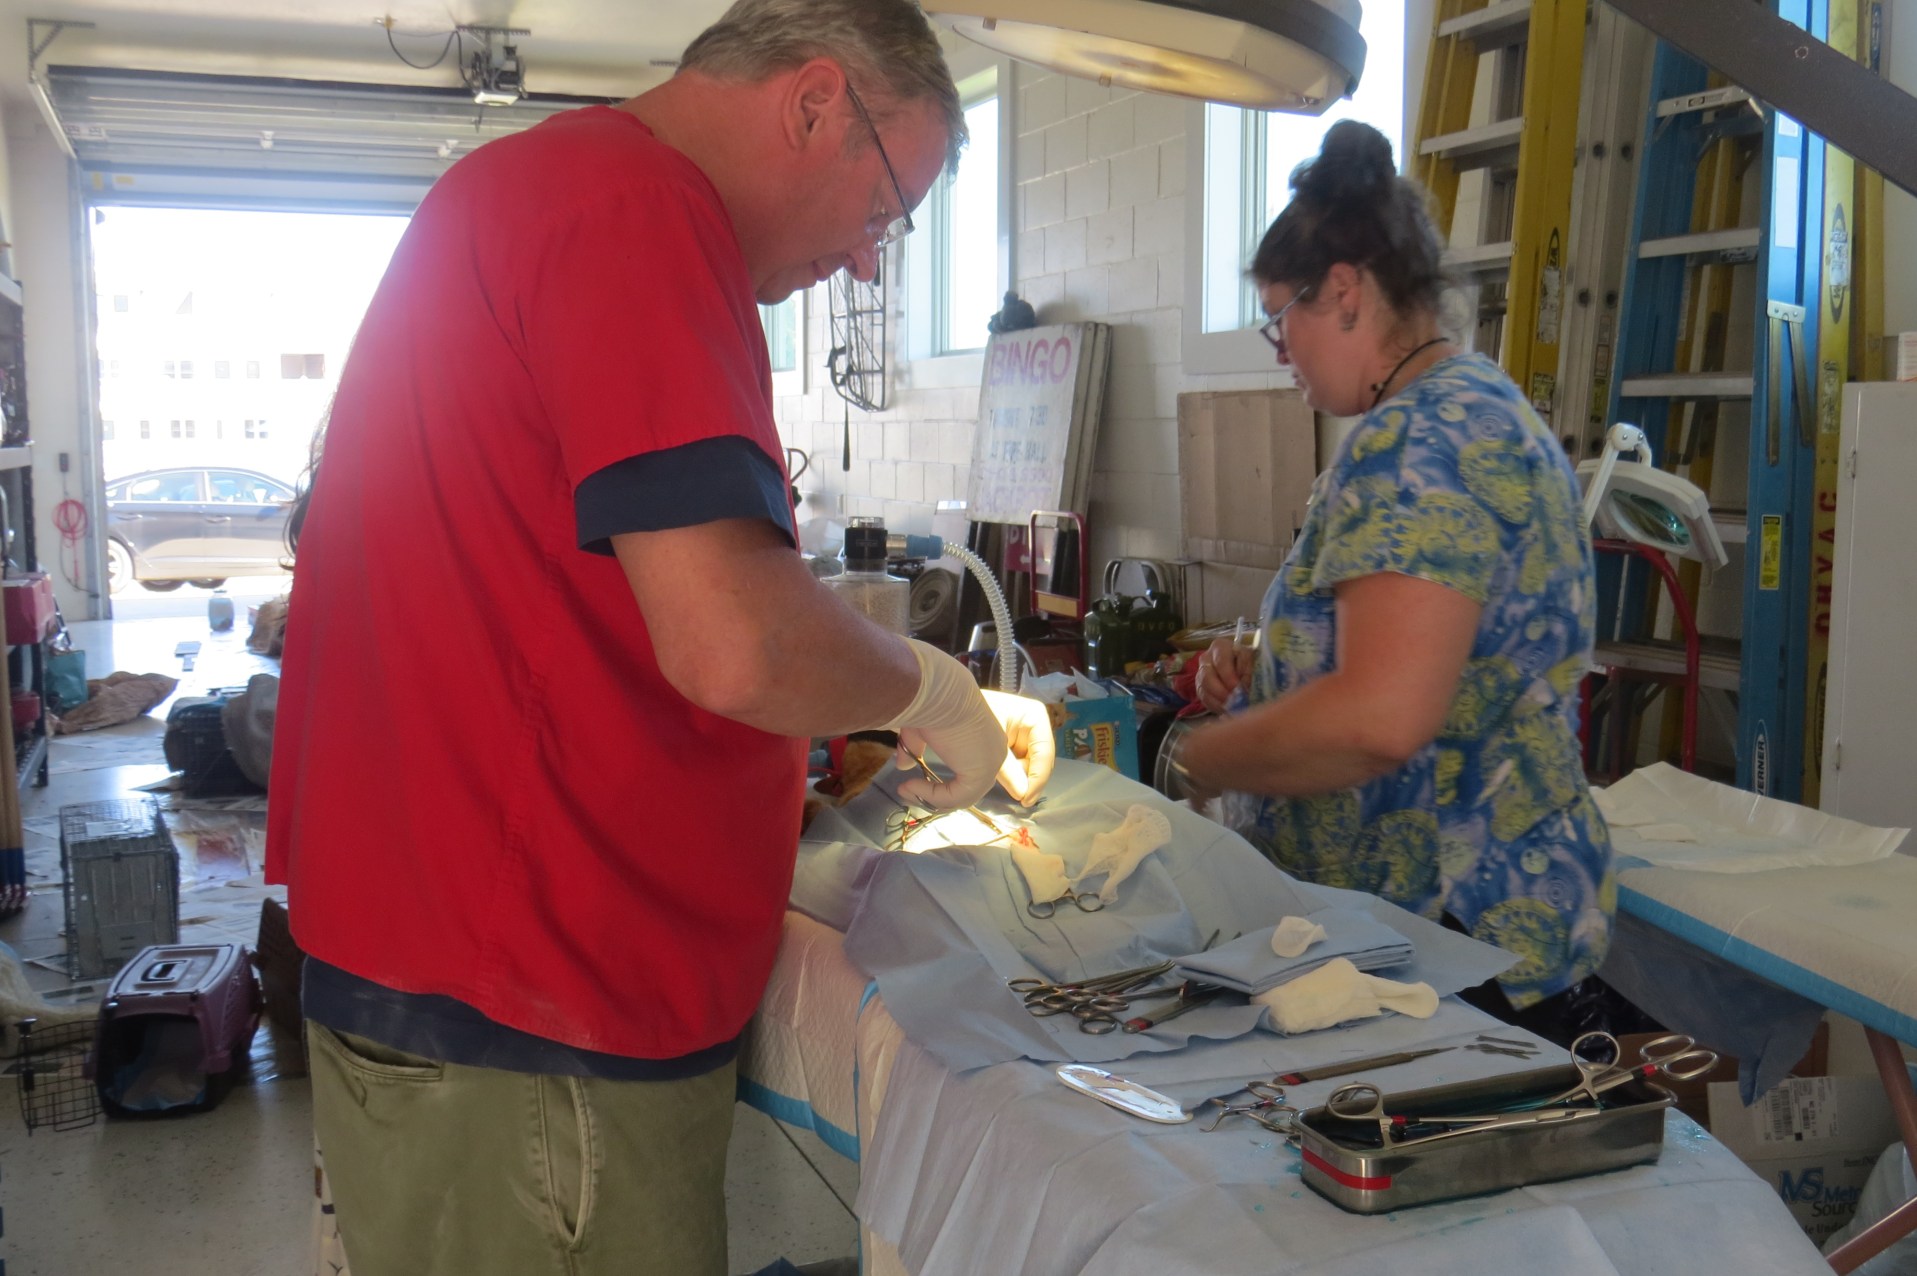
[[1484, 1045], [1190, 997], [1267, 1107], [1045, 910], [1363, 1102], [1673, 1055]]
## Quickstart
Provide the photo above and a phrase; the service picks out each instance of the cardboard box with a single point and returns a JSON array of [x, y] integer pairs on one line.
[[1246, 462], [1813, 1139], [1104, 731]]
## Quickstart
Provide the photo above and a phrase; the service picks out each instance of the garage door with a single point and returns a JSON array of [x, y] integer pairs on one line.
[[244, 142]]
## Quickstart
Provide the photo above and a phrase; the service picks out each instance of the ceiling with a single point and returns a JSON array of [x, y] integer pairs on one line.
[[604, 48]]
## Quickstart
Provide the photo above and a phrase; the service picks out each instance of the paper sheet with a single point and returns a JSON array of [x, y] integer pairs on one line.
[[1673, 819]]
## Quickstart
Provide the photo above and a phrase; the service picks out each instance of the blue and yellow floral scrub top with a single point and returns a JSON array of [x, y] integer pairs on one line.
[[1455, 480]]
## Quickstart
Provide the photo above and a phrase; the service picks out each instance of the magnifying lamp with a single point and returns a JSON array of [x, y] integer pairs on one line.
[[1633, 500], [1269, 55]]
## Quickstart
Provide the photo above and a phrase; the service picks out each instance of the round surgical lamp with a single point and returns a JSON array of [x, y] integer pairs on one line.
[[1269, 55], [1633, 500]]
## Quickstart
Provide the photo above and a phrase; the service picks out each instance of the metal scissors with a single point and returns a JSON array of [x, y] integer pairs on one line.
[[1364, 1102], [1087, 902], [1673, 1055], [1267, 1107], [1095, 1003]]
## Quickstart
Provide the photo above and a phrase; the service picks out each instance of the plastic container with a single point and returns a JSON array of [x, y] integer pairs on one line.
[[219, 612], [173, 1028], [865, 586]]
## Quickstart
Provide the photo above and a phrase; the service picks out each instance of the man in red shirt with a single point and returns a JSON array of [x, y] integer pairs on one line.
[[553, 658]]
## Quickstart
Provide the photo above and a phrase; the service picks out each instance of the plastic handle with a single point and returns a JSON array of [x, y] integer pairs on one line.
[[162, 972]]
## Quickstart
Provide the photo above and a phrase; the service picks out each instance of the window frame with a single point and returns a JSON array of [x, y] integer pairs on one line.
[[921, 364], [793, 380]]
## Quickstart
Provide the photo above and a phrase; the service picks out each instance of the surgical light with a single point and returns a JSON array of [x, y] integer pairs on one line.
[[1635, 501], [1269, 55]]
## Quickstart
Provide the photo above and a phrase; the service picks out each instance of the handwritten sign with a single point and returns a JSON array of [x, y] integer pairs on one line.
[[1038, 412]]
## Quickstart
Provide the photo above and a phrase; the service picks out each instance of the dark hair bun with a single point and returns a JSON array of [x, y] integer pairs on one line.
[[1353, 163]]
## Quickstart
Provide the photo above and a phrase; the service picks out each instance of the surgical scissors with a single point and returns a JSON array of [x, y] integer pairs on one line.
[[1095, 1002], [1362, 1101], [1045, 910], [1673, 1055], [1267, 1107]]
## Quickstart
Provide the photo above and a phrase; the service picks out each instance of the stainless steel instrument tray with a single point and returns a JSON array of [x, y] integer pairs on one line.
[[1371, 1180]]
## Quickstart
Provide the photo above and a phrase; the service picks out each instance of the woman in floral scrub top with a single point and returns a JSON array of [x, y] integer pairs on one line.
[[1411, 728]]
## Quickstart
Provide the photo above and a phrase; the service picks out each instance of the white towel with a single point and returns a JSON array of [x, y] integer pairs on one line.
[[1044, 873], [1118, 853], [1294, 935], [1338, 992]]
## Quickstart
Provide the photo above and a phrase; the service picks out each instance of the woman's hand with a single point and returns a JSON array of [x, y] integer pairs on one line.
[[1222, 669]]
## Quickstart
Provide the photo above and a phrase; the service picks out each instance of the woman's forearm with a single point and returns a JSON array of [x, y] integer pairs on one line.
[[1320, 738]]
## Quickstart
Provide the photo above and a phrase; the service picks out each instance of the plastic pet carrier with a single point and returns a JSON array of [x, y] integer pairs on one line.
[[196, 746], [122, 883], [175, 1028]]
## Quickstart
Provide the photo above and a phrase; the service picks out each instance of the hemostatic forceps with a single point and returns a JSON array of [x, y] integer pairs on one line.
[[1674, 1055]]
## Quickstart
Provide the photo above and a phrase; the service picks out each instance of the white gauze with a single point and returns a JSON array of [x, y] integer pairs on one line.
[[1119, 852], [1294, 935], [1338, 992], [1044, 873]]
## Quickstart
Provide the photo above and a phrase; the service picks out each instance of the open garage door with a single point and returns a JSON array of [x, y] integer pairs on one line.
[[208, 141]]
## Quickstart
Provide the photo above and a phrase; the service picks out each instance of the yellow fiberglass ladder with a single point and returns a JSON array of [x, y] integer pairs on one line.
[[1497, 150]]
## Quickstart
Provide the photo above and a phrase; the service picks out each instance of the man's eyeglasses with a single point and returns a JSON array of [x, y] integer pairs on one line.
[[899, 227], [1273, 330]]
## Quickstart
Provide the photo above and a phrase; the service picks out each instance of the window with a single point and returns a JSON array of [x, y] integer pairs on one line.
[[252, 369], [954, 269], [781, 323], [219, 429], [120, 304], [295, 367], [1244, 169], [189, 429], [178, 485], [106, 431], [222, 369], [239, 487], [176, 428], [171, 368], [186, 369], [146, 429], [256, 429], [113, 367]]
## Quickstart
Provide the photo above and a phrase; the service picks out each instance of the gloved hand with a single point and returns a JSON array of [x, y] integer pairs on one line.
[[1031, 747], [952, 717]]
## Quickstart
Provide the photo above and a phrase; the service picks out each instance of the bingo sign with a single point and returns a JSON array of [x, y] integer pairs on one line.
[[1023, 453]]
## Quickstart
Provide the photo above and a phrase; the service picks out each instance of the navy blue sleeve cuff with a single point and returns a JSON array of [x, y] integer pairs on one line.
[[701, 482]]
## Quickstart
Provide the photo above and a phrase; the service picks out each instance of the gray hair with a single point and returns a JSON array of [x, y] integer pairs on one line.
[[888, 43]]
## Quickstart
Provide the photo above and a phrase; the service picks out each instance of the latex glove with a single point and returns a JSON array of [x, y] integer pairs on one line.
[[950, 716], [1224, 667], [1030, 746]]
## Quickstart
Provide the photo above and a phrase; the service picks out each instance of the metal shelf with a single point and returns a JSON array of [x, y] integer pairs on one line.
[[31, 761], [16, 458]]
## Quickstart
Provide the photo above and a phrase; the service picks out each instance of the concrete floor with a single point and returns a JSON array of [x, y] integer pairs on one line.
[[231, 1191]]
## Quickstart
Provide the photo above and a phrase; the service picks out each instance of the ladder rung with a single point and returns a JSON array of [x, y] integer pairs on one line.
[[1715, 668], [1482, 147], [1733, 526], [1480, 261], [1493, 26], [1689, 385], [1704, 100], [1738, 242]]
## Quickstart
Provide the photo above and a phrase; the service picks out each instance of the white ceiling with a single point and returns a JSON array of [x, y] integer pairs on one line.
[[595, 47]]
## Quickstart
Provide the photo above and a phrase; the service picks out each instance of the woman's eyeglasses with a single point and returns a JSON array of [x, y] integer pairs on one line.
[[1273, 330]]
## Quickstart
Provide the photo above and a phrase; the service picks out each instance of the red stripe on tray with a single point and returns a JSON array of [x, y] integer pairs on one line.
[[1361, 1182]]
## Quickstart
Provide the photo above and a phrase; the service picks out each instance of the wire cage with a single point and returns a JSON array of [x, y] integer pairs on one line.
[[122, 883], [55, 1091]]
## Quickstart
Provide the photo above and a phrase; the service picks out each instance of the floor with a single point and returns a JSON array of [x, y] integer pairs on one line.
[[231, 1191]]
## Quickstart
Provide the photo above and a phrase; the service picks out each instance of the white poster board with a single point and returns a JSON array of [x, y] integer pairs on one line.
[[1043, 391]]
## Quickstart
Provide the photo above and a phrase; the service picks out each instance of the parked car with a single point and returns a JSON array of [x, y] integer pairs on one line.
[[166, 528]]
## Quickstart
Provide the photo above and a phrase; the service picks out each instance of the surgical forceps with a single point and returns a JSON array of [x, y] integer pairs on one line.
[[1509, 1047], [1095, 1003], [1364, 1102], [1045, 910], [1673, 1055], [1267, 1107]]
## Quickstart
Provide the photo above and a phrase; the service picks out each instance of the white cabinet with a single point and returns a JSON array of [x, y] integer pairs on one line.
[[1870, 712]]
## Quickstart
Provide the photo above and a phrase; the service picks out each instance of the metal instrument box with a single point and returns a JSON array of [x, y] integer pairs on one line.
[[1372, 1180]]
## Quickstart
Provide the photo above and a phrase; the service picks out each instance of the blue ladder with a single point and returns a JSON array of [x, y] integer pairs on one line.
[[1687, 117]]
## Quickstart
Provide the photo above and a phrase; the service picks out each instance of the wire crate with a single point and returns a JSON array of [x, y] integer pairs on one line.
[[122, 883], [55, 1091]]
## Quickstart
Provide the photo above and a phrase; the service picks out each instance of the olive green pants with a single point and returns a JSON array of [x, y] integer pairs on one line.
[[443, 1170]]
